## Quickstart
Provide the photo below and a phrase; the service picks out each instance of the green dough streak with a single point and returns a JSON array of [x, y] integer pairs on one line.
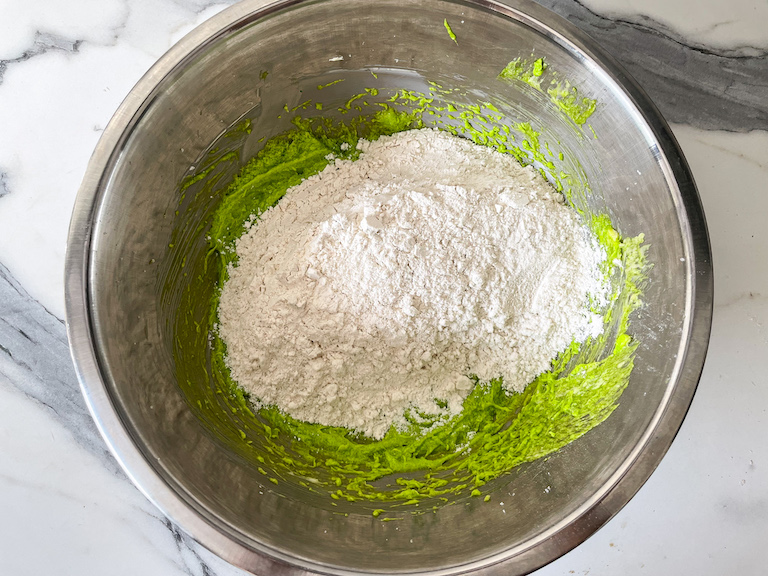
[[434, 457], [450, 31], [561, 94]]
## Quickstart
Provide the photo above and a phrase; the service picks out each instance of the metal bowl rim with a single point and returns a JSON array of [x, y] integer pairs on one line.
[[540, 550]]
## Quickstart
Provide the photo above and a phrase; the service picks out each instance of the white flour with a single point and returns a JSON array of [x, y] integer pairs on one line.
[[381, 284]]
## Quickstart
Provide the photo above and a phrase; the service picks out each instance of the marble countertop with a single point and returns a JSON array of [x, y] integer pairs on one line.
[[65, 505]]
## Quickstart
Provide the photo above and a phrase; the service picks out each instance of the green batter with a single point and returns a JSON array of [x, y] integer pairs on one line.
[[431, 460], [561, 93]]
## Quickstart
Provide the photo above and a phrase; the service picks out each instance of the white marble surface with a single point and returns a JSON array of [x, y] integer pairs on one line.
[[66, 507]]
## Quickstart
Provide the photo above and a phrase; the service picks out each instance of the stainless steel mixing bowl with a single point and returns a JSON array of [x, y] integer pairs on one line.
[[136, 243]]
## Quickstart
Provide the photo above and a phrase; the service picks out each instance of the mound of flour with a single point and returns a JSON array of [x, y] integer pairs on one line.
[[381, 284]]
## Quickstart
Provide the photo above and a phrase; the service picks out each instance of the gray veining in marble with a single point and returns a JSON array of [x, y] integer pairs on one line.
[[5, 187], [704, 88], [43, 43], [34, 356]]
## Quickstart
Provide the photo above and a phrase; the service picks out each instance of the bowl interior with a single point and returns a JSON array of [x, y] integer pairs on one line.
[[148, 275]]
